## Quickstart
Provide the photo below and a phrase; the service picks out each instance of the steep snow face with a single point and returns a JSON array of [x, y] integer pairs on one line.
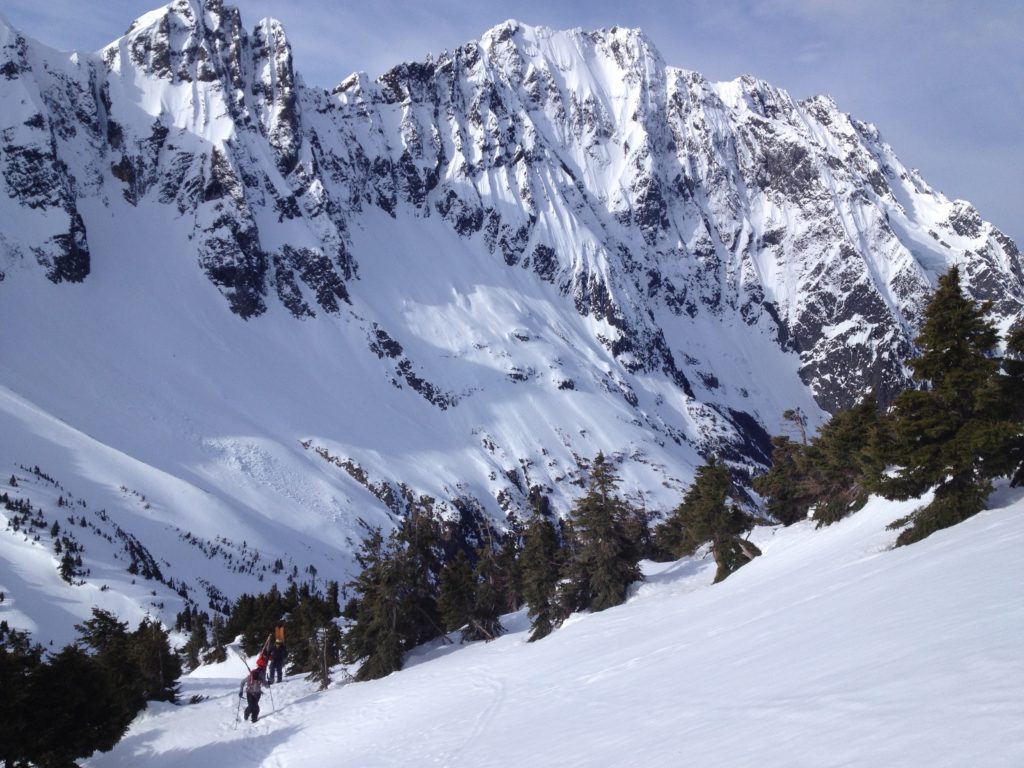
[[651, 196], [643, 192], [273, 310]]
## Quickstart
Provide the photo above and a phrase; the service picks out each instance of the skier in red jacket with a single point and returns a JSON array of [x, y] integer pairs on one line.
[[252, 687]]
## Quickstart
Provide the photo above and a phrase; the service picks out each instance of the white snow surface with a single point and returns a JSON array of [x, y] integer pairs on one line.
[[832, 649], [222, 445]]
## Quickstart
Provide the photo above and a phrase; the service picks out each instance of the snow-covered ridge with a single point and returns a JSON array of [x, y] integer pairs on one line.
[[275, 310]]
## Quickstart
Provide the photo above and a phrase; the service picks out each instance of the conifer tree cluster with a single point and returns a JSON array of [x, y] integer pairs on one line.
[[60, 708], [413, 588], [954, 434], [417, 584], [421, 583], [962, 428], [301, 609], [603, 540], [833, 473], [708, 514]]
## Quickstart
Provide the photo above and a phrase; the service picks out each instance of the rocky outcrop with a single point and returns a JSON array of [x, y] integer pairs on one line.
[[42, 112]]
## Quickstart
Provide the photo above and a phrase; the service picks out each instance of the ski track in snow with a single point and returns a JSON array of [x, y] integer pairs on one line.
[[832, 649]]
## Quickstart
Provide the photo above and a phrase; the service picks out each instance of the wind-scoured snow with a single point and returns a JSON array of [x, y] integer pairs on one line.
[[829, 650]]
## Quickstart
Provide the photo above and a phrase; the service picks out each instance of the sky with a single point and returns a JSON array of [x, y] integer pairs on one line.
[[942, 79]]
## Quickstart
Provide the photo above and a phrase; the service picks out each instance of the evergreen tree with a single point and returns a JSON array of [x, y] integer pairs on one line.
[[706, 515], [951, 435], [19, 657], [834, 473], [219, 639], [638, 530], [785, 485], [603, 560], [418, 558], [1012, 382], [309, 611], [197, 642], [489, 597], [333, 600], [111, 644], [325, 651], [141, 665], [796, 420], [374, 636], [508, 576], [397, 605], [457, 590], [158, 668], [75, 707], [540, 563], [68, 568], [845, 461]]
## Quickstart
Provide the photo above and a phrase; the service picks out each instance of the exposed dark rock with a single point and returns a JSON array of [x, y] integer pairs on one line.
[[70, 260], [383, 345], [545, 262], [965, 221]]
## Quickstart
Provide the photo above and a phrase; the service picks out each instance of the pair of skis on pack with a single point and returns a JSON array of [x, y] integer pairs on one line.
[[265, 653]]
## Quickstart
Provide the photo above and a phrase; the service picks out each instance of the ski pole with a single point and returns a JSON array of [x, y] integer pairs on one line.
[[237, 708], [270, 690]]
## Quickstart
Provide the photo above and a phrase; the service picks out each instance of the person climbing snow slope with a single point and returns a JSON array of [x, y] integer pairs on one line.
[[278, 655], [252, 688]]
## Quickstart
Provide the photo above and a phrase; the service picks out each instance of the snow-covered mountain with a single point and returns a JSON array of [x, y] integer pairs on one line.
[[242, 316]]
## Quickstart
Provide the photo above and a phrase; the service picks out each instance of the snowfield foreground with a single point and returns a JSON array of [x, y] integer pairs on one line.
[[830, 650]]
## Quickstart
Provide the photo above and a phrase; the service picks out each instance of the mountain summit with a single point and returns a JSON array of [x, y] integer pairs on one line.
[[281, 311]]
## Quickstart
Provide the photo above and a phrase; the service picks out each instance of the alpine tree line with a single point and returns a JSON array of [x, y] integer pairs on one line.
[[413, 589], [957, 432]]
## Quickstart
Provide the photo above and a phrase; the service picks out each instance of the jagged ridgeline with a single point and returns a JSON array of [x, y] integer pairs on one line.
[[643, 193], [463, 278]]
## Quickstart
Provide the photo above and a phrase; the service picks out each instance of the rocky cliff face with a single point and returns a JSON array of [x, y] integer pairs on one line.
[[645, 192], [662, 208], [41, 113]]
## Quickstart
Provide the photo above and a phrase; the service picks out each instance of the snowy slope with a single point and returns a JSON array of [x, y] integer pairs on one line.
[[830, 650], [242, 318]]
